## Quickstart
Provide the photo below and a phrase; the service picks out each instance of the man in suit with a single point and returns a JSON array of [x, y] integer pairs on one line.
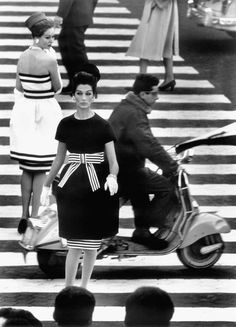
[[75, 16]]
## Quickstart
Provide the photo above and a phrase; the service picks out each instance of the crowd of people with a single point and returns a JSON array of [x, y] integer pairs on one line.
[[106, 158], [147, 306]]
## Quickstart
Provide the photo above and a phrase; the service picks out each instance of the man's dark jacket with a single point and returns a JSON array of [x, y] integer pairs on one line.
[[76, 12], [135, 141]]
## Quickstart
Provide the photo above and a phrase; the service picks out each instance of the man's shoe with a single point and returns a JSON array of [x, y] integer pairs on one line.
[[144, 237], [66, 90], [162, 233]]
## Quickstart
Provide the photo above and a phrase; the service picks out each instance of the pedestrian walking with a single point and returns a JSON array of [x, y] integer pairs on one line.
[[157, 38], [74, 16], [35, 114], [86, 200]]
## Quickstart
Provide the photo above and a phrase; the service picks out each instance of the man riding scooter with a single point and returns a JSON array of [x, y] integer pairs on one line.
[[136, 143]]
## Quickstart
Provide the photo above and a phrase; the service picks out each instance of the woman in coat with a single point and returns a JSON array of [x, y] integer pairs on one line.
[[157, 38]]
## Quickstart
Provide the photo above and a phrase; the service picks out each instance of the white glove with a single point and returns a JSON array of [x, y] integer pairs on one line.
[[111, 184], [44, 199]]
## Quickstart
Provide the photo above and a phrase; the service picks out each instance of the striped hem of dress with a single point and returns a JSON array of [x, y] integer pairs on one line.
[[84, 244]]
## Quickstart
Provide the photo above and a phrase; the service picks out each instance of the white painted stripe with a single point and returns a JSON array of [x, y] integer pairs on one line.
[[219, 169], [126, 211], [217, 150], [196, 190], [117, 69], [163, 98], [111, 314], [53, 9], [10, 234], [122, 286], [56, 1], [163, 114], [10, 82], [157, 131], [89, 43], [15, 259], [90, 31], [123, 21], [92, 56]]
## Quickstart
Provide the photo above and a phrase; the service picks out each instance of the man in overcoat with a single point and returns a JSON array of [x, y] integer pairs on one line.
[[74, 16]]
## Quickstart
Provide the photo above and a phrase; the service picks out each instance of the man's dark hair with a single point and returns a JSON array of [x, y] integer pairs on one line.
[[149, 306], [19, 317], [144, 82], [74, 306]]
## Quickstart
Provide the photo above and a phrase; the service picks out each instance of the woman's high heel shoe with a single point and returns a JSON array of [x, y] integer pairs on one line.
[[170, 85]]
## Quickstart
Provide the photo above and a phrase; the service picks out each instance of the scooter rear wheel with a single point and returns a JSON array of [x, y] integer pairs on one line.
[[52, 262], [191, 256]]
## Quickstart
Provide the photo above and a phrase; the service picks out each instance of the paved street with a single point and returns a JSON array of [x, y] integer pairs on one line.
[[200, 103]]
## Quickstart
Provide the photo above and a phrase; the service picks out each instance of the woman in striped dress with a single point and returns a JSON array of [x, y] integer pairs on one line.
[[87, 203], [35, 114]]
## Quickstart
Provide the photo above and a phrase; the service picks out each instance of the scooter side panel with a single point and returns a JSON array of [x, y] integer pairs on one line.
[[204, 224]]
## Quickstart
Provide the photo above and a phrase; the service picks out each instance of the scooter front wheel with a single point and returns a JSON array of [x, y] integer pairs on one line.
[[192, 256]]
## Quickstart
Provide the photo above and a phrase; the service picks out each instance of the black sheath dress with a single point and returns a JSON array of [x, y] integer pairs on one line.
[[86, 211]]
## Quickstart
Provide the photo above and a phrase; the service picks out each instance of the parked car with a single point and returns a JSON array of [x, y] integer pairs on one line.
[[218, 14]]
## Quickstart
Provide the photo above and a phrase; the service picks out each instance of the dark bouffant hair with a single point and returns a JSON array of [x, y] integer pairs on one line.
[[41, 27], [149, 306], [74, 306], [144, 82], [87, 74]]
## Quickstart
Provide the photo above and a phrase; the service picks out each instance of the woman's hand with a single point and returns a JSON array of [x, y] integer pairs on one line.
[[44, 199], [111, 184]]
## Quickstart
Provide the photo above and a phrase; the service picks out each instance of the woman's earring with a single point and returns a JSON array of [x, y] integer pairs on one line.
[[36, 41]]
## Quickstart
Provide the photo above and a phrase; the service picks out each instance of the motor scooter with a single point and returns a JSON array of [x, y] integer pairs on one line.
[[195, 236]]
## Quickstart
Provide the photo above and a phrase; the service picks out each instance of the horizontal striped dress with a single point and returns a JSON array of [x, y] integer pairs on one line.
[[34, 120]]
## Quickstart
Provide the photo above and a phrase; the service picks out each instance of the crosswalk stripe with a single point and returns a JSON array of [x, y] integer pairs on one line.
[[200, 169], [56, 1], [163, 114], [196, 190], [126, 211], [186, 83], [157, 131], [107, 313], [91, 55], [51, 9], [112, 69], [121, 286], [13, 259], [97, 21], [10, 234], [91, 31], [173, 98]]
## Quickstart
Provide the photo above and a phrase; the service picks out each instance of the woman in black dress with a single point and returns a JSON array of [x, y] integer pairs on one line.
[[86, 194]]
